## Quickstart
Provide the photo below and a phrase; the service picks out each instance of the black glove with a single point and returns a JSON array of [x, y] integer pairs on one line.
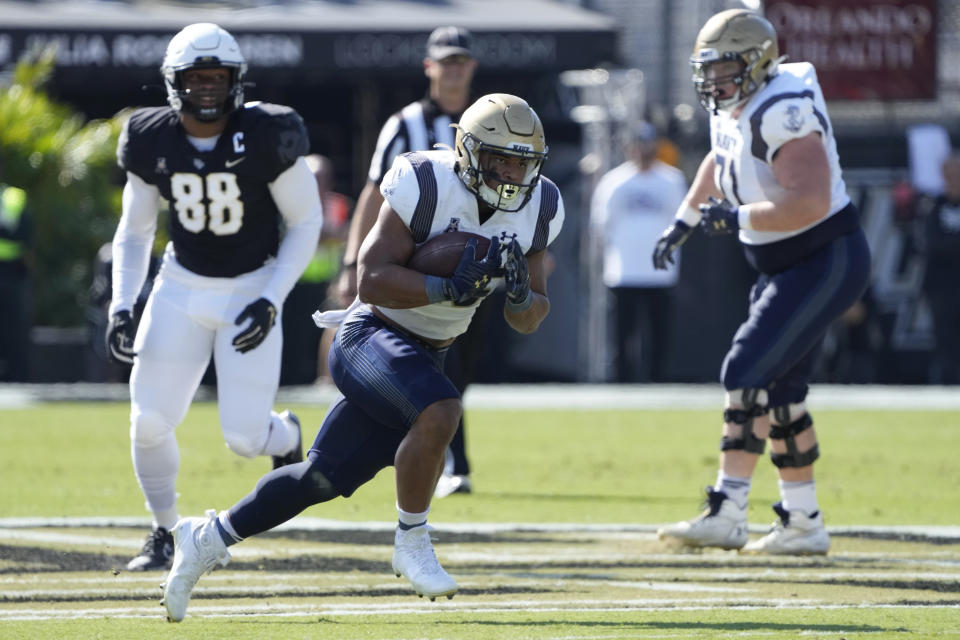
[[471, 279], [120, 332], [673, 236], [516, 275], [719, 217], [263, 316]]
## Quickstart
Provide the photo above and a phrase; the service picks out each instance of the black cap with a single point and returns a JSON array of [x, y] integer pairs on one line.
[[448, 41]]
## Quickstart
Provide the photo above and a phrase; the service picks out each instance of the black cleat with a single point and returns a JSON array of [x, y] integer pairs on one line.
[[156, 554], [296, 454]]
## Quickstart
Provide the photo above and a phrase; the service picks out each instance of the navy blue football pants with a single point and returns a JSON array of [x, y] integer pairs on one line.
[[776, 348], [386, 379]]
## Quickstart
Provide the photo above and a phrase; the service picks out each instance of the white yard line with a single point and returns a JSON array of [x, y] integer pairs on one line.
[[304, 523], [432, 608], [543, 396]]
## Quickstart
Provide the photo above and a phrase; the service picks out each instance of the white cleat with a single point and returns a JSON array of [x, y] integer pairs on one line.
[[413, 558], [197, 548], [449, 484], [723, 524], [795, 533]]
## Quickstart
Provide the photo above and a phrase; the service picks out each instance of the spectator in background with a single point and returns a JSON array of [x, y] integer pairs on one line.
[[16, 237], [304, 346], [420, 126], [631, 205], [941, 282]]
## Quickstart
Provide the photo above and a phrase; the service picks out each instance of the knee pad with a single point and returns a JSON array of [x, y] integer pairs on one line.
[[150, 429], [788, 433], [245, 444], [754, 403]]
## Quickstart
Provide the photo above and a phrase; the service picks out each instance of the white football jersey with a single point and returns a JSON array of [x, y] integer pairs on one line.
[[423, 188], [789, 106]]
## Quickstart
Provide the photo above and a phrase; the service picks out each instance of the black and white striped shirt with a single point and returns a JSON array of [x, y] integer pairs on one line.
[[417, 127]]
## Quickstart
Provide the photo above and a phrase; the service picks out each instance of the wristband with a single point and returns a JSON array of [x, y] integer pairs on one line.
[[688, 215], [519, 307], [350, 265], [743, 217], [435, 289]]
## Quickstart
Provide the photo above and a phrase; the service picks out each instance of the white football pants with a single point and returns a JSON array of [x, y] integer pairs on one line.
[[187, 318]]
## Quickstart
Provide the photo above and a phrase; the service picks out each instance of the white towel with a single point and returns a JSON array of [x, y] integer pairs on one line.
[[332, 319]]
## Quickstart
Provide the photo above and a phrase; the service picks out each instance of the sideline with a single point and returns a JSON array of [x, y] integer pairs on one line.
[[583, 397]]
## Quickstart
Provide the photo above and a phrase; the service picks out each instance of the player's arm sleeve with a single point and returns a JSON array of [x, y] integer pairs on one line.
[[390, 144], [132, 242], [784, 121], [295, 193]]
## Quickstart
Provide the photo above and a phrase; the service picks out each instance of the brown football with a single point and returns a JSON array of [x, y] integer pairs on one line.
[[440, 255]]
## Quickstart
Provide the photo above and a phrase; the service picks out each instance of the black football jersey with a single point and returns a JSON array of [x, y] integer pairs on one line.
[[223, 220]]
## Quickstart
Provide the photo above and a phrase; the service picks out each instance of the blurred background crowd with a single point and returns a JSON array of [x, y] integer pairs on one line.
[[611, 81]]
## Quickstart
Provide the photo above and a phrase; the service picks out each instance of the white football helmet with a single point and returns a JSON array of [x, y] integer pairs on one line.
[[502, 124], [197, 46], [734, 35]]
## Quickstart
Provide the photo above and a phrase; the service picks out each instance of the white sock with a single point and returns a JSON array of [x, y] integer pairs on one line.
[[737, 489], [226, 525], [281, 439], [410, 520], [156, 471], [799, 496]]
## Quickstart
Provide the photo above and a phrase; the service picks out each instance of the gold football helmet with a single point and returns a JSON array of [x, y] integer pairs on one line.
[[500, 124], [734, 35]]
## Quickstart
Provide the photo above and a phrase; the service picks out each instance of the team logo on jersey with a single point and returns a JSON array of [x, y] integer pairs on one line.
[[198, 163], [161, 168], [794, 120], [453, 225]]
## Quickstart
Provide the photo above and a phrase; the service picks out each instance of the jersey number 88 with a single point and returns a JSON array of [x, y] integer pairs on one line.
[[223, 216]]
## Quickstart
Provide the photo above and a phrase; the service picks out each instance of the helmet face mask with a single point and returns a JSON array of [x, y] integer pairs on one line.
[[740, 36], [497, 131], [203, 46]]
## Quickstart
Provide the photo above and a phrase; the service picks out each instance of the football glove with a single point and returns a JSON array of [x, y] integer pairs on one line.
[[120, 332], [517, 277], [719, 217], [262, 315], [673, 236], [471, 279]]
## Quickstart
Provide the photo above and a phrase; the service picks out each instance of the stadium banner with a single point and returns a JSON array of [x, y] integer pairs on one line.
[[313, 52], [862, 49]]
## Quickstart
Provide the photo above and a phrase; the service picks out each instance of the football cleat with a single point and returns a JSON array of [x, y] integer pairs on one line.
[[157, 552], [449, 484], [723, 524], [198, 547], [296, 454], [795, 533], [413, 558]]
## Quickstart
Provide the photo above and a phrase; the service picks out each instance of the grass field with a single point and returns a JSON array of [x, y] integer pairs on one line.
[[556, 542]]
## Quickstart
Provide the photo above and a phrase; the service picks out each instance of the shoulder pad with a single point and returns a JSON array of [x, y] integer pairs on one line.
[[140, 132], [279, 132], [782, 118]]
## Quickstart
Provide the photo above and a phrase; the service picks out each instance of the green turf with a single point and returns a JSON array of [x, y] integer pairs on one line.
[[878, 468], [529, 466], [848, 624]]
